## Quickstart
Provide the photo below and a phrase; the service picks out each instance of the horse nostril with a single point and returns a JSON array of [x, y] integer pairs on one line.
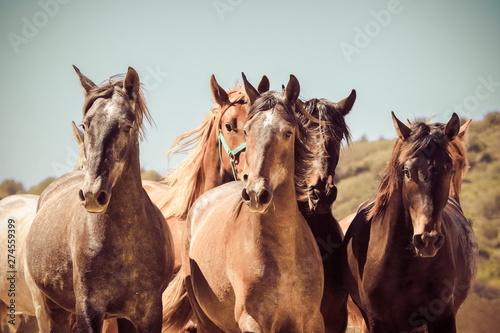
[[439, 241], [418, 242], [264, 197], [102, 198], [244, 195], [80, 194], [245, 177]]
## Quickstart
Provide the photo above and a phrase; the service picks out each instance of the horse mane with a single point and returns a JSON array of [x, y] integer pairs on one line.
[[115, 85], [187, 179], [332, 122], [422, 135], [303, 154]]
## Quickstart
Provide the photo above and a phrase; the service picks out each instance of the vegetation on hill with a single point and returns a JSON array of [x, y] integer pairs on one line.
[[11, 186], [361, 163]]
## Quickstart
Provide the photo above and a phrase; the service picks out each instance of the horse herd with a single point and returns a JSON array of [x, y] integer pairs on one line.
[[250, 243]]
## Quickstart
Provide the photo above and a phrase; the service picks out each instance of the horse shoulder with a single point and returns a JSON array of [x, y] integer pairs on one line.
[[59, 185]]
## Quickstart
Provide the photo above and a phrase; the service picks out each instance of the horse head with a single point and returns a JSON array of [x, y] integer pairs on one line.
[[233, 106], [273, 138], [326, 138], [425, 172], [112, 124]]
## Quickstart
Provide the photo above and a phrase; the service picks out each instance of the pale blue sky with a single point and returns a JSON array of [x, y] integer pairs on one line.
[[418, 58]]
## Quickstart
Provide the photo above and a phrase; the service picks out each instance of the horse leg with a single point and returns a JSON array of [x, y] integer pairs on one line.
[[444, 324], [28, 325], [110, 326], [125, 326], [59, 318], [335, 313], [149, 320], [316, 324], [204, 324], [89, 318]]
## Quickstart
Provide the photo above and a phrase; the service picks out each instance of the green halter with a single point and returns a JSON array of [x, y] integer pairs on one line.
[[231, 153]]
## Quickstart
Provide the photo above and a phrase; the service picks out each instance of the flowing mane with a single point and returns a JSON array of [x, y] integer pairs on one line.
[[424, 138], [303, 154], [331, 120], [115, 85], [187, 179]]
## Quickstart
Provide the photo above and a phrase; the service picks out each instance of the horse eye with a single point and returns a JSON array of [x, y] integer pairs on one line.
[[127, 128], [229, 128], [288, 134], [406, 172]]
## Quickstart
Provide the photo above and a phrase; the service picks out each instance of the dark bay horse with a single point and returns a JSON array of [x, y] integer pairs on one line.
[[251, 263], [98, 247], [410, 254], [458, 154]]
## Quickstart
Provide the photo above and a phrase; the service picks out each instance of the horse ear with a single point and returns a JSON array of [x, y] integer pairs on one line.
[[346, 104], [78, 134], [292, 89], [402, 130], [252, 93], [452, 127], [463, 129], [263, 85], [131, 83], [219, 94], [86, 83]]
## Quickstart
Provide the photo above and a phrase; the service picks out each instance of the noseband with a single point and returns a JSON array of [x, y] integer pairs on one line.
[[232, 154]]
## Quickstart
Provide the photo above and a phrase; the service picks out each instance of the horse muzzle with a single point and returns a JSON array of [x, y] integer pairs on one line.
[[428, 244], [322, 195], [258, 198], [95, 198]]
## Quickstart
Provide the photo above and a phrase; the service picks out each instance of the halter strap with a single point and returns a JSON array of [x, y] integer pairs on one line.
[[230, 153]]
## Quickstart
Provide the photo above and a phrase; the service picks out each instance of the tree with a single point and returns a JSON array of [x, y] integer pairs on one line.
[[10, 187], [38, 189]]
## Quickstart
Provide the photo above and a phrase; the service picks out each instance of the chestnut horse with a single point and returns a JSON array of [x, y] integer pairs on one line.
[[209, 163], [98, 247], [242, 261], [458, 153], [410, 254]]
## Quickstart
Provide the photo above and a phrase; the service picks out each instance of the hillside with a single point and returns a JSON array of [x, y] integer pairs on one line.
[[358, 172]]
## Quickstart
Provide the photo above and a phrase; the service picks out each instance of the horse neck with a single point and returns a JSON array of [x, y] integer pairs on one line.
[[281, 221], [212, 173], [127, 192], [391, 227]]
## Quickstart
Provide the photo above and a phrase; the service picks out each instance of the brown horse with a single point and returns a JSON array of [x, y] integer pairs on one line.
[[98, 247], [410, 254], [325, 141], [208, 164], [326, 129], [241, 262], [458, 153]]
